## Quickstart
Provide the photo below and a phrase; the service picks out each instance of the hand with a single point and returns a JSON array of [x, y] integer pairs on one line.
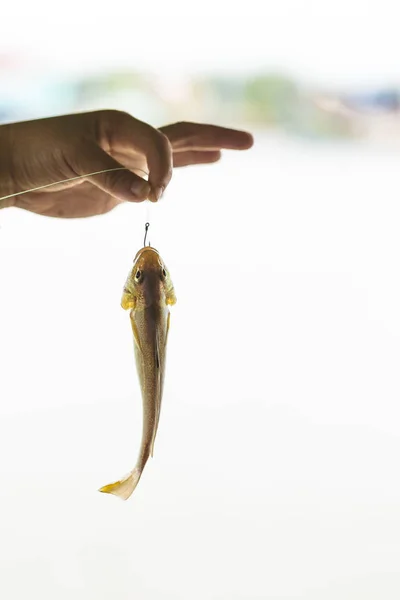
[[36, 153]]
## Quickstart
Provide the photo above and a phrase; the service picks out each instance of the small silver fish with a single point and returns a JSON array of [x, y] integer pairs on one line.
[[148, 292]]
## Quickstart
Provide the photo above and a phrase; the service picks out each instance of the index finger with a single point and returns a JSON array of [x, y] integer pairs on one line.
[[199, 136], [120, 131]]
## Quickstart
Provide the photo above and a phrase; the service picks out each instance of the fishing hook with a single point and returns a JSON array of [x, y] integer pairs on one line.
[[146, 228]]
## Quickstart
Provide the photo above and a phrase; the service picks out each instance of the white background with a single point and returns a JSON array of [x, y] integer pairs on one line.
[[341, 42], [275, 472]]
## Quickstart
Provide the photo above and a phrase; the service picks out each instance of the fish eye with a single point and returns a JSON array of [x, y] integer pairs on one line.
[[164, 272], [138, 274]]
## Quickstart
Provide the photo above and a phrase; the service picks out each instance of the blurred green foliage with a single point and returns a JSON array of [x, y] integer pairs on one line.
[[270, 99], [273, 100]]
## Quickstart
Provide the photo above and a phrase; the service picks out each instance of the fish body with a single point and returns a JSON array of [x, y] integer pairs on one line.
[[148, 293]]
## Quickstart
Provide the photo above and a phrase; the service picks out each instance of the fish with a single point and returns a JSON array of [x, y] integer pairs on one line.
[[148, 293]]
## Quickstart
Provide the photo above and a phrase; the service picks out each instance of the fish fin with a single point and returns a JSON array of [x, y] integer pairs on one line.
[[170, 297], [128, 300], [159, 374], [135, 333], [154, 435], [158, 405], [124, 487]]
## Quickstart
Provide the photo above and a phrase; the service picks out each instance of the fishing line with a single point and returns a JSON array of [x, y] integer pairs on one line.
[[48, 185]]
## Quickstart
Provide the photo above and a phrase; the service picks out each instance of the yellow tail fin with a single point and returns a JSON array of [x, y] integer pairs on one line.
[[123, 488]]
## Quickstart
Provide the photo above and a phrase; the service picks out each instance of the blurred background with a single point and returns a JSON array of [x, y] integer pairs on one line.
[[275, 472]]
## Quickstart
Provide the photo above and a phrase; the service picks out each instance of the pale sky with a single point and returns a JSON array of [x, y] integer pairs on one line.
[[337, 42]]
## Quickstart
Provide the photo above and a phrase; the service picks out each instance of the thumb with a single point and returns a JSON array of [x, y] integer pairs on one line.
[[121, 184]]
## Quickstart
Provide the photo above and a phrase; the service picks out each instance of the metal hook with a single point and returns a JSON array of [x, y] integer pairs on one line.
[[146, 228]]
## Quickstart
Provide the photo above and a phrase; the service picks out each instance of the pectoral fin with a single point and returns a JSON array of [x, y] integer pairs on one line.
[[128, 300], [171, 298]]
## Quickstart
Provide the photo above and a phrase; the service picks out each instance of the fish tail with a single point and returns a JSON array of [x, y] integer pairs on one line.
[[125, 486]]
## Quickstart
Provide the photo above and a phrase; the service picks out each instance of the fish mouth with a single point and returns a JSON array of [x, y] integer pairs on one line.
[[144, 249]]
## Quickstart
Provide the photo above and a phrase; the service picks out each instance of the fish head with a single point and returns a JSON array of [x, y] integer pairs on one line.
[[149, 280]]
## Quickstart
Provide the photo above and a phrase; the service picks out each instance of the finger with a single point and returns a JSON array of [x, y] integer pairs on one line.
[[180, 159], [121, 131], [122, 184], [197, 136], [183, 159], [132, 161]]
